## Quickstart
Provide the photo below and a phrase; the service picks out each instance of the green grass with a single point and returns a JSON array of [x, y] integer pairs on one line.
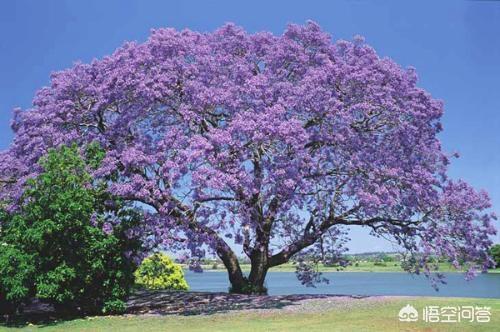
[[363, 315], [364, 266]]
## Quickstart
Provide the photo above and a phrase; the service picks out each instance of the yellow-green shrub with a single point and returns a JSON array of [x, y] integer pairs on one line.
[[158, 271]]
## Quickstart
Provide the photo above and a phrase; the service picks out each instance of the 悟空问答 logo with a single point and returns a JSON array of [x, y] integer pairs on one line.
[[408, 314]]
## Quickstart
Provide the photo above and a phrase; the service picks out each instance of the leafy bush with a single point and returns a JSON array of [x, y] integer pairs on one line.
[[55, 247], [158, 271]]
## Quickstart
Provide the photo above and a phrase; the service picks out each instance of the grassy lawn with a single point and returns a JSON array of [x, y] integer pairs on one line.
[[362, 267], [377, 315]]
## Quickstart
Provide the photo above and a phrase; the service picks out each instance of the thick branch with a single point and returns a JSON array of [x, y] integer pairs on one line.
[[309, 238]]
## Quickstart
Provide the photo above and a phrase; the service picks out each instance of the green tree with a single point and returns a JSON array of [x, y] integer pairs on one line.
[[495, 254], [64, 244], [158, 271]]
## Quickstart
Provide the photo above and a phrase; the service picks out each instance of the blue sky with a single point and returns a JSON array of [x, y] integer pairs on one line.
[[454, 46]]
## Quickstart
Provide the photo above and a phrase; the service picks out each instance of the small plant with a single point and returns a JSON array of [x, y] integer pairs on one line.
[[114, 307], [249, 289], [158, 271]]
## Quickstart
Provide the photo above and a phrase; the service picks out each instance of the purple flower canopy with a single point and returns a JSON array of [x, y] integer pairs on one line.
[[271, 142]]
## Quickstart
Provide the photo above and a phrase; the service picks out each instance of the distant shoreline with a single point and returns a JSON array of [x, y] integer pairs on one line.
[[367, 267]]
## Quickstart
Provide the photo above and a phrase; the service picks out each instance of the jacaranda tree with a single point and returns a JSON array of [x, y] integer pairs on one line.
[[272, 142]]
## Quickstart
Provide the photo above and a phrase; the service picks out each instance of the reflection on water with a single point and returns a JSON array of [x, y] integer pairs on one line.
[[360, 283]]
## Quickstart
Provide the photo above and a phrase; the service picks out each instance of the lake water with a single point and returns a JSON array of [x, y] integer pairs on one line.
[[360, 283]]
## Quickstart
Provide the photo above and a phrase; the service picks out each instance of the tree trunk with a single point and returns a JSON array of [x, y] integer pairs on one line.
[[254, 283], [258, 273], [236, 278], [239, 283]]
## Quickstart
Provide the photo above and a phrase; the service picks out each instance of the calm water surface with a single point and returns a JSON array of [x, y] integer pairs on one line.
[[360, 283]]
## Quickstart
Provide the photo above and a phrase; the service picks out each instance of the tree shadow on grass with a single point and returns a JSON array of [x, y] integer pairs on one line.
[[163, 302], [206, 303], [37, 312]]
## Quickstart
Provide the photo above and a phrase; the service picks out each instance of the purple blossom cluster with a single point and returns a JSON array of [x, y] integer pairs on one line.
[[268, 141]]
